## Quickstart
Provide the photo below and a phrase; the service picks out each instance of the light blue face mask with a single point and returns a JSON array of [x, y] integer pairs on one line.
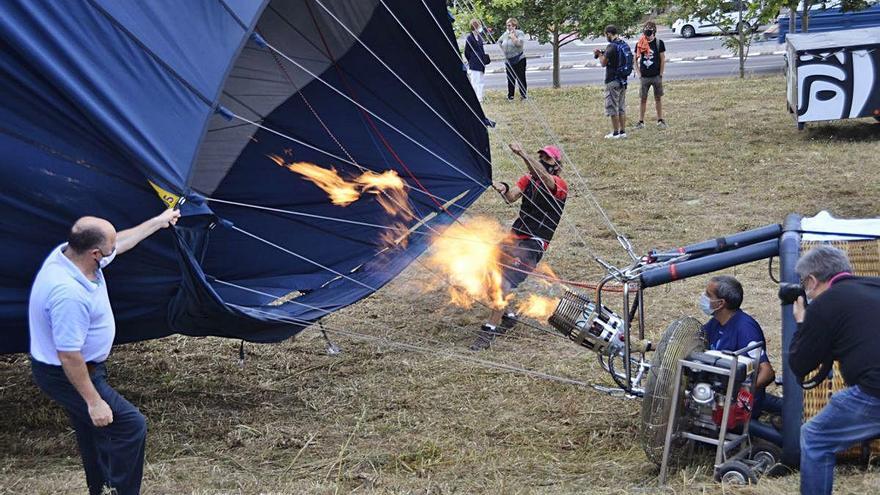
[[706, 305], [480, 29]]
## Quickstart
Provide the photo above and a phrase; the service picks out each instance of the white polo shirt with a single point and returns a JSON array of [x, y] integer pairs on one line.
[[69, 312]]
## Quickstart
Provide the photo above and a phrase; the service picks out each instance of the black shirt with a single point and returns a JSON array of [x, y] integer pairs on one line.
[[474, 52], [843, 324], [611, 55], [649, 65]]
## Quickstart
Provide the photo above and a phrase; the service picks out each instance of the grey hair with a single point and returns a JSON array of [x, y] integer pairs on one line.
[[822, 262], [729, 289]]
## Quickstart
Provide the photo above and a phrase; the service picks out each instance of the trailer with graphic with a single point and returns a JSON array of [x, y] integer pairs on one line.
[[833, 75]]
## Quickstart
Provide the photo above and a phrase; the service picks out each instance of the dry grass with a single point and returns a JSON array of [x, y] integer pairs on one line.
[[383, 420]]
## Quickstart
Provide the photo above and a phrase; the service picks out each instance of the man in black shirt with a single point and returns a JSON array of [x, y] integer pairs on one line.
[[542, 193], [842, 324], [650, 64]]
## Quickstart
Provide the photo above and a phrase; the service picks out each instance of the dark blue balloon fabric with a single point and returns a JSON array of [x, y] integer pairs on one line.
[[99, 98]]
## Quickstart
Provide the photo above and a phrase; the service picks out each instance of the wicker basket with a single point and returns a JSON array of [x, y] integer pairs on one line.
[[865, 259]]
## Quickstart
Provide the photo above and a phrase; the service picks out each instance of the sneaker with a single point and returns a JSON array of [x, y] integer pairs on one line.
[[485, 335], [509, 98], [640, 125], [622, 135], [611, 135], [661, 124], [489, 123], [508, 321]]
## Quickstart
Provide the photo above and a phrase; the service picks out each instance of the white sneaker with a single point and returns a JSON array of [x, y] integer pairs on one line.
[[622, 135], [611, 135]]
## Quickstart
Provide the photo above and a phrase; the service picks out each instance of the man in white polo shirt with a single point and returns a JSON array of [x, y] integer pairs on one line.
[[71, 330]]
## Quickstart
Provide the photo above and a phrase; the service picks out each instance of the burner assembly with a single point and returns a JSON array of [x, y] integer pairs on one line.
[[690, 395]]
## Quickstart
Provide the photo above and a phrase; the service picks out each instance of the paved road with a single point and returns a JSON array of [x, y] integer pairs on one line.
[[581, 51], [697, 69]]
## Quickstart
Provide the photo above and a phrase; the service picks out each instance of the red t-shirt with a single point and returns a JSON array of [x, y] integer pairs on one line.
[[561, 191]]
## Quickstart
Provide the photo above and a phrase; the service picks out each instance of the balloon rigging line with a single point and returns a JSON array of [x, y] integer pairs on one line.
[[481, 120], [268, 129], [324, 152], [303, 143], [327, 312], [343, 220], [421, 99], [301, 257], [384, 340], [368, 111], [336, 140], [378, 132], [428, 105], [514, 156], [554, 137]]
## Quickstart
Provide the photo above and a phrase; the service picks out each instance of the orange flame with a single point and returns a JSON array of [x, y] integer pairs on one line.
[[390, 191], [341, 192], [395, 237], [389, 188], [538, 307], [468, 255]]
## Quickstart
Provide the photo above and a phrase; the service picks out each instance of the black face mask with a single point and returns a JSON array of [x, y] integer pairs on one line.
[[649, 33], [551, 168]]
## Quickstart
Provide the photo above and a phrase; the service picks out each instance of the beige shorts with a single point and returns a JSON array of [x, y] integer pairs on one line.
[[615, 99], [647, 82]]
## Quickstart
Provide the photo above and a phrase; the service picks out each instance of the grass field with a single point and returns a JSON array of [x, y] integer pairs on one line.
[[380, 419]]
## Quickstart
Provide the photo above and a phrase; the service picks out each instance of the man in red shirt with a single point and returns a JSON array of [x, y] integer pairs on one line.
[[543, 194]]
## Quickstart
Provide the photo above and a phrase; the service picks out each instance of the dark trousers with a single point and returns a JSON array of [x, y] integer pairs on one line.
[[516, 77], [112, 455]]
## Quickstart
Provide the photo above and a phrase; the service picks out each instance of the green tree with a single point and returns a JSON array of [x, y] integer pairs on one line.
[[736, 19], [557, 22]]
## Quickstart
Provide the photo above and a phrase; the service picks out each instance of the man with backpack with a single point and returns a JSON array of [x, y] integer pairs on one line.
[[617, 59]]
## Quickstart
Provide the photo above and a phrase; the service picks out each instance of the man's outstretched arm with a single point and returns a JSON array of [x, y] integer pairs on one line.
[[130, 238], [535, 168]]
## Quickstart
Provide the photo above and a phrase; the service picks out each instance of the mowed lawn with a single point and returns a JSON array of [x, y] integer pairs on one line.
[[382, 419]]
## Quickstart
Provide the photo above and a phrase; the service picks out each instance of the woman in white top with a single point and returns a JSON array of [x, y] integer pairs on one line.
[[512, 42]]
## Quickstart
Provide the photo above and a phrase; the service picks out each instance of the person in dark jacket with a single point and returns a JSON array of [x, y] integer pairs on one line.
[[543, 193], [840, 324], [475, 54]]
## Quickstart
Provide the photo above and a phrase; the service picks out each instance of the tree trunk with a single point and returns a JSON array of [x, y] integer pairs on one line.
[[555, 43], [805, 17], [742, 44], [792, 25]]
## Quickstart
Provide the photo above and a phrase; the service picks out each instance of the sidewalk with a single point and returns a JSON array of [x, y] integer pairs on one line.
[[547, 67]]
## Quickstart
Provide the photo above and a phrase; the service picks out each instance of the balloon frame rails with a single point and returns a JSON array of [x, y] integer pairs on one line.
[[662, 267], [600, 329]]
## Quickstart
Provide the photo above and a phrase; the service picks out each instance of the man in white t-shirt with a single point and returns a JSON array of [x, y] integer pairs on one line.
[[71, 332]]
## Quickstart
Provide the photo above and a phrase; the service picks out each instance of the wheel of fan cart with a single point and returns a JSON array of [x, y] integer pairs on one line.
[[679, 340], [770, 455], [735, 472]]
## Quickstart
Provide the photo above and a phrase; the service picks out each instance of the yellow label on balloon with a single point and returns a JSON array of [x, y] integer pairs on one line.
[[167, 197]]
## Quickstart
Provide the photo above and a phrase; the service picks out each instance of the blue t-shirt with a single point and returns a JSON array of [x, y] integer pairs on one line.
[[741, 330]]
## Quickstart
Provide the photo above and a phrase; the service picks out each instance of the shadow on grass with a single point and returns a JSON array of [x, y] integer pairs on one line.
[[863, 130]]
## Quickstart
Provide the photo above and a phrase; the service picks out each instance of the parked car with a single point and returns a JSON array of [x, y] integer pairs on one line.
[[727, 15]]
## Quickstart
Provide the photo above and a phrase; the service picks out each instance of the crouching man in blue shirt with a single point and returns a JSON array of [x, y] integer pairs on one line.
[[71, 332], [732, 329]]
